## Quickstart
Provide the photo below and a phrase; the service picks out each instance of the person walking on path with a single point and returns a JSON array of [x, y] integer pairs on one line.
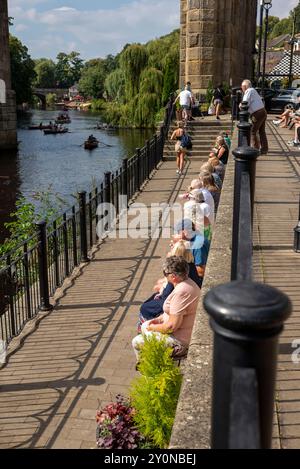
[[186, 101], [258, 115], [219, 96], [180, 151]]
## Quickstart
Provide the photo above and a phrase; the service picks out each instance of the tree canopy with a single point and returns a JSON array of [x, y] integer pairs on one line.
[[22, 70]]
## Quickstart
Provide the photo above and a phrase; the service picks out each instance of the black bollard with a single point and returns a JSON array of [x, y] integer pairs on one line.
[[245, 165], [246, 318], [244, 125], [297, 234], [43, 266]]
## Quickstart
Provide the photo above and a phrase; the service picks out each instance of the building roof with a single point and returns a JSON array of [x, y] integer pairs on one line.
[[278, 40], [283, 67]]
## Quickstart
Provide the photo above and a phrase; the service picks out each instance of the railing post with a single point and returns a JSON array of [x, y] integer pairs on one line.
[[138, 169], [66, 247], [297, 234], [148, 158], [43, 266], [156, 158], [27, 281], [244, 126], [10, 290], [107, 187], [246, 318], [125, 178], [83, 228], [74, 236], [245, 161]]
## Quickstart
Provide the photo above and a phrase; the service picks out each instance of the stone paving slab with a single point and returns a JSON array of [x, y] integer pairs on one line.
[[275, 263]]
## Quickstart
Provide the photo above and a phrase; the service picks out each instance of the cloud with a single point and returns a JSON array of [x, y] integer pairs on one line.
[[94, 33], [282, 8]]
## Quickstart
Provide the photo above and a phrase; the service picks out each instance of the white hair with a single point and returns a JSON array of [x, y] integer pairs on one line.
[[247, 83]]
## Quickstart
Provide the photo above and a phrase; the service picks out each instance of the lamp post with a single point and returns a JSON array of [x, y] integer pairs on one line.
[[267, 5], [260, 40], [292, 42]]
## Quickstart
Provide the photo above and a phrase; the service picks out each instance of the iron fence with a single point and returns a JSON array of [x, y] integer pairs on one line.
[[33, 272]]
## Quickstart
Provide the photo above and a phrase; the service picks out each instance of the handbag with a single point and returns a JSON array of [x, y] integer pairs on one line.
[[211, 110]]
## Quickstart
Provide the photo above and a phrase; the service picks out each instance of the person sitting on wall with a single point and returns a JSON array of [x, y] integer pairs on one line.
[[153, 307], [176, 323]]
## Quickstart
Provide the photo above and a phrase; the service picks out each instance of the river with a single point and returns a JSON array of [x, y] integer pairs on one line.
[[58, 163]]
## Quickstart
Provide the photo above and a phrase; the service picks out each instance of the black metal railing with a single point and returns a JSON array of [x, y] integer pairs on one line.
[[247, 318], [32, 273]]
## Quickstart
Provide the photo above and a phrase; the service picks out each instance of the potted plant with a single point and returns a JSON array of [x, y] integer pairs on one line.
[[116, 428]]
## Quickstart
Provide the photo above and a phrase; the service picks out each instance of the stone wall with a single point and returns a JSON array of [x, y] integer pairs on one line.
[[8, 119], [217, 41]]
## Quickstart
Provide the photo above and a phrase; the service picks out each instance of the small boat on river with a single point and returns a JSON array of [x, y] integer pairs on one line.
[[63, 118], [91, 143], [54, 131], [104, 126]]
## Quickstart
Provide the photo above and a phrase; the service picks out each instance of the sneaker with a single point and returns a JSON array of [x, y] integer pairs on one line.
[[177, 172], [292, 143], [276, 122], [218, 118]]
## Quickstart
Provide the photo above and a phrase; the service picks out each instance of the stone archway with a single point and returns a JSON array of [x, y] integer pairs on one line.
[[42, 98], [217, 41]]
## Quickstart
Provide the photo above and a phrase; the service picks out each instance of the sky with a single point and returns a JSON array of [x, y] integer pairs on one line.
[[96, 28]]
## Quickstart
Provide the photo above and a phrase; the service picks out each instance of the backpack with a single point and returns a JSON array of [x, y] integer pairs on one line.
[[186, 142]]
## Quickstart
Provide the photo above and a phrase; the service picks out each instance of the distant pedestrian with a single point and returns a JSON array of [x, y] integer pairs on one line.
[[258, 115], [179, 149], [219, 96]]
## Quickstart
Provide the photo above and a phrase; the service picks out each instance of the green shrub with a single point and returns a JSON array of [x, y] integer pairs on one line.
[[154, 395], [51, 99], [209, 92]]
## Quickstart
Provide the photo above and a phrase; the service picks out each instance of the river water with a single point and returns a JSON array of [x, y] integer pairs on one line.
[[58, 163]]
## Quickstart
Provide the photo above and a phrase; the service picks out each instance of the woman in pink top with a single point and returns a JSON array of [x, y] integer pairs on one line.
[[176, 323]]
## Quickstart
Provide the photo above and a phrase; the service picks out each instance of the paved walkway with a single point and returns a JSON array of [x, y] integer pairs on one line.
[[277, 205], [80, 357]]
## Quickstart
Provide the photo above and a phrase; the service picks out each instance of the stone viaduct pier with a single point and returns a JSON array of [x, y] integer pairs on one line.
[[217, 41], [8, 120]]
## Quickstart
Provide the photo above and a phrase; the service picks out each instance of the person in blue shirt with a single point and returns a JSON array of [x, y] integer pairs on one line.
[[199, 245]]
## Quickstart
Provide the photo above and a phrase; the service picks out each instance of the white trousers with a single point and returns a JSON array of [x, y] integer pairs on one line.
[[139, 340]]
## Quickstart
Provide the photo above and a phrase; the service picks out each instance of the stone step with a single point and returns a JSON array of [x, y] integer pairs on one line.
[[201, 159], [195, 151]]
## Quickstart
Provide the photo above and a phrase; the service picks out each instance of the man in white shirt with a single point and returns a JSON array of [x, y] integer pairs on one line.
[[185, 100], [258, 115]]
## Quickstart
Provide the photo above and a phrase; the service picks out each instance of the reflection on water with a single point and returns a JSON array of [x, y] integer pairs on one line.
[[60, 162]]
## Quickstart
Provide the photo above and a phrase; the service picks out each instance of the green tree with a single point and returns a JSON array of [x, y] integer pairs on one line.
[[115, 85], [92, 79], [45, 73], [296, 11], [68, 69], [22, 70], [133, 60], [284, 26], [273, 21]]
